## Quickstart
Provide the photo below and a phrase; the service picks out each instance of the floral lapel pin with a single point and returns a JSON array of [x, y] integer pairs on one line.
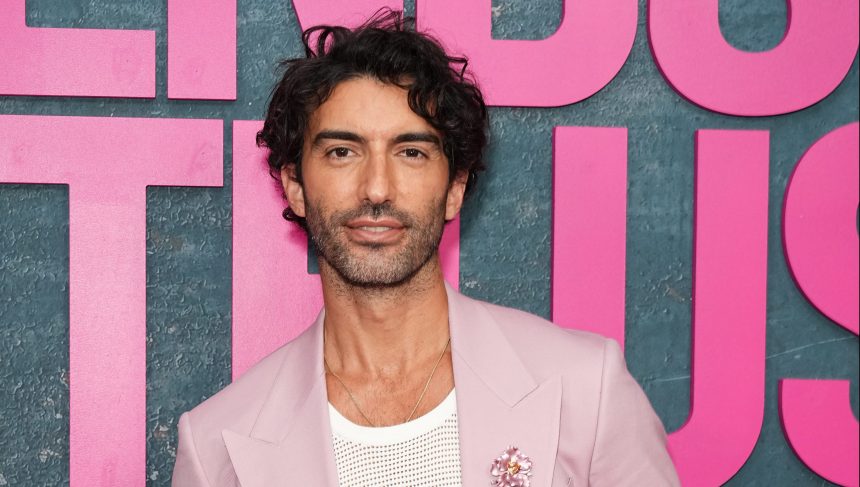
[[511, 469]]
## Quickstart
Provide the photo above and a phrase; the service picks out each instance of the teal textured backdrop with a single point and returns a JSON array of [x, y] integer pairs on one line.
[[505, 254]]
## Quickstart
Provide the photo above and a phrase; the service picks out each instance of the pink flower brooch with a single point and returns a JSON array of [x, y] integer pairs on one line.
[[511, 469]]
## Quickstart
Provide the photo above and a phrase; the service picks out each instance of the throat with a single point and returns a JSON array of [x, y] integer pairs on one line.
[[390, 400]]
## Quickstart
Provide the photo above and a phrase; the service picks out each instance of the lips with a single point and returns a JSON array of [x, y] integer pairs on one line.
[[375, 229], [382, 231]]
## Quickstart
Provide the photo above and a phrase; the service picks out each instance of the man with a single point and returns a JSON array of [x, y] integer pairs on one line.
[[401, 380]]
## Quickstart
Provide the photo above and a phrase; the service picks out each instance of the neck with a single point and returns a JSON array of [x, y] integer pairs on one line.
[[384, 331]]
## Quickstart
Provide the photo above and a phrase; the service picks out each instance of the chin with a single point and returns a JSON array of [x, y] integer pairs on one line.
[[377, 272], [377, 278]]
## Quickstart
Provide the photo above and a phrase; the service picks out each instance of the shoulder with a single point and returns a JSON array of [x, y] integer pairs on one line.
[[583, 362], [201, 454], [237, 406], [248, 391], [548, 349], [608, 432]]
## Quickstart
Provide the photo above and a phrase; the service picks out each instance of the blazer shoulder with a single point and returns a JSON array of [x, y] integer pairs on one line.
[[237, 405], [609, 433], [538, 339], [202, 456]]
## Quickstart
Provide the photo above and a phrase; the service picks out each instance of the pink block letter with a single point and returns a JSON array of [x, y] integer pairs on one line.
[[587, 51], [73, 62], [822, 430], [729, 301], [274, 297], [589, 228], [814, 56], [107, 263], [822, 247], [820, 229], [201, 49]]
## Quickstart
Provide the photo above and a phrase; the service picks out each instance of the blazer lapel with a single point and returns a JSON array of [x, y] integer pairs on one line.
[[290, 443], [499, 403]]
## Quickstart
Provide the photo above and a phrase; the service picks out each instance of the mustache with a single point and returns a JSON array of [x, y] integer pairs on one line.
[[374, 211]]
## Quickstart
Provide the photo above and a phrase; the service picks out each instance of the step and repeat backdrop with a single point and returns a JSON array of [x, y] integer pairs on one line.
[[679, 175]]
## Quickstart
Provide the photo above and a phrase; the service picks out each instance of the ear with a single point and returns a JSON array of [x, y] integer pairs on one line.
[[293, 189], [455, 195]]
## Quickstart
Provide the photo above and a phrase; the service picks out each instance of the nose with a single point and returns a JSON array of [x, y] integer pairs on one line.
[[376, 180]]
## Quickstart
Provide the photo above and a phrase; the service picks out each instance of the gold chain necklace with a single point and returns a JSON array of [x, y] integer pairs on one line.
[[355, 403]]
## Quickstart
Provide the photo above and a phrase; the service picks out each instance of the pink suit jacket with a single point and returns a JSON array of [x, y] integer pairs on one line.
[[563, 397]]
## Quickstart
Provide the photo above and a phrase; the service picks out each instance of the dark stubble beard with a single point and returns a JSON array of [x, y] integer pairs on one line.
[[376, 266]]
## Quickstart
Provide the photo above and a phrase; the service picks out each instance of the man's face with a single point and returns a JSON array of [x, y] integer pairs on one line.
[[376, 192]]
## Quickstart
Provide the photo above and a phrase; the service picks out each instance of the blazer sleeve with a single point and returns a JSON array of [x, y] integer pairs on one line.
[[630, 443], [187, 471]]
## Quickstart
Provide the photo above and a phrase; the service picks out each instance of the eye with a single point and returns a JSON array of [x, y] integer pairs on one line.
[[339, 152], [412, 153]]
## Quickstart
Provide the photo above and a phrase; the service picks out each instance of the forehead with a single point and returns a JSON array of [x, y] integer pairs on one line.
[[368, 107]]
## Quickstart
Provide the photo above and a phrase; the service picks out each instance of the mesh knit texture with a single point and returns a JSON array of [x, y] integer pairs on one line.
[[424, 452]]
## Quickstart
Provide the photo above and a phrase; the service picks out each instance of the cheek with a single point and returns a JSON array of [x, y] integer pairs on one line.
[[424, 198], [332, 191], [429, 180]]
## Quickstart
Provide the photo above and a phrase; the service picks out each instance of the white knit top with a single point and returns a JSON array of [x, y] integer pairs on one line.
[[422, 452]]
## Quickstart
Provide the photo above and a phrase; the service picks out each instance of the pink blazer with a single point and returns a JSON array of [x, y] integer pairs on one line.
[[563, 397]]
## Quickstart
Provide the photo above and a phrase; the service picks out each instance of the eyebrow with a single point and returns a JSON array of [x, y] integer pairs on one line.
[[353, 137], [418, 137], [337, 135]]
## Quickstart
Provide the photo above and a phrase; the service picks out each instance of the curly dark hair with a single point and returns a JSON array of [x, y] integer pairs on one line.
[[387, 48]]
